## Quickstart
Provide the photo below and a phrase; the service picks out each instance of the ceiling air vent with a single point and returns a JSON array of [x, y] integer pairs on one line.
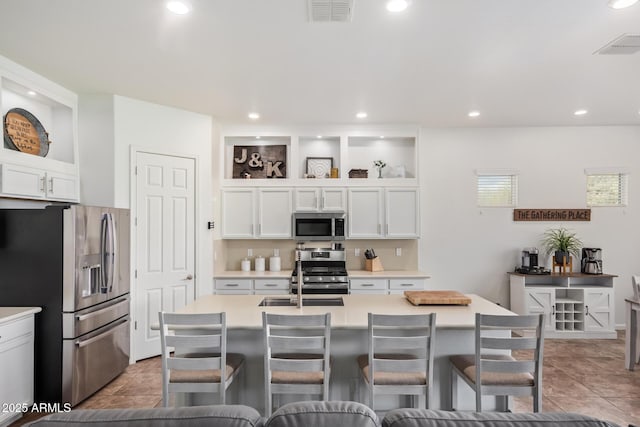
[[330, 10], [625, 44]]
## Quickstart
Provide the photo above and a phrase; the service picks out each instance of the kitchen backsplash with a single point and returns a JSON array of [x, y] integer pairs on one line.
[[229, 253]]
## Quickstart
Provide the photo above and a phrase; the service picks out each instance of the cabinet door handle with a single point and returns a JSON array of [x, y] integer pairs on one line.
[[232, 285], [322, 207], [51, 185], [586, 307], [259, 229], [386, 229], [553, 310], [379, 228], [42, 184]]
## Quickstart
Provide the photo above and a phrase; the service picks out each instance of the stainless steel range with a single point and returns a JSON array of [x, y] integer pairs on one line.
[[324, 271]]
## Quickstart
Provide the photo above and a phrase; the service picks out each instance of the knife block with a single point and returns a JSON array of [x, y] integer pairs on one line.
[[373, 264]]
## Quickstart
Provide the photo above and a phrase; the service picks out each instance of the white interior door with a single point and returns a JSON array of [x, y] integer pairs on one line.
[[165, 240]]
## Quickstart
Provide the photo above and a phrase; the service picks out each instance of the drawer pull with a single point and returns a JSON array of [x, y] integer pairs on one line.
[[232, 285], [406, 284], [367, 284], [271, 285]]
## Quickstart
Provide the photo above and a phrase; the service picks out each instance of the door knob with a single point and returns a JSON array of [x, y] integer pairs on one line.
[[189, 277]]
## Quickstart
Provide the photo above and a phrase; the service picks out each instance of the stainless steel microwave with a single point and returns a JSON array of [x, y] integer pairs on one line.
[[319, 226]]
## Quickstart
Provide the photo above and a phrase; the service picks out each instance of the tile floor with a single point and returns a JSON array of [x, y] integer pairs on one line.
[[583, 376]]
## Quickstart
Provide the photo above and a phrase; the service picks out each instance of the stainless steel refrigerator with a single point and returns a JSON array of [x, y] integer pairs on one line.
[[73, 261]]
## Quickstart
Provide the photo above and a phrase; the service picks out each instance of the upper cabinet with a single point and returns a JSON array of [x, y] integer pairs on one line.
[[39, 154], [392, 213], [344, 158]]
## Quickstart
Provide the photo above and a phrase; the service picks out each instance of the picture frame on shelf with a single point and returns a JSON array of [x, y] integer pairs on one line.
[[319, 167]]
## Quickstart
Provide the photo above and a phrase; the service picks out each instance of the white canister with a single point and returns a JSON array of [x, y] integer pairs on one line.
[[245, 264], [274, 263], [259, 263]]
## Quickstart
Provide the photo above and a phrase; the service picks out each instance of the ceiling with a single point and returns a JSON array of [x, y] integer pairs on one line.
[[518, 62]]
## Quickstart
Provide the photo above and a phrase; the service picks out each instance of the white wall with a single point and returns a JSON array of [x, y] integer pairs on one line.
[[111, 125], [95, 148], [168, 130], [471, 249]]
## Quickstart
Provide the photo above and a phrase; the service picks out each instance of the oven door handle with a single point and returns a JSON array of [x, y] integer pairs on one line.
[[84, 343]]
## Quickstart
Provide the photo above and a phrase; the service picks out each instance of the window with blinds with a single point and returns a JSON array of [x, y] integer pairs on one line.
[[497, 190], [607, 189]]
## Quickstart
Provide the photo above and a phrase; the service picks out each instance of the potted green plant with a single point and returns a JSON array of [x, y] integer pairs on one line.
[[562, 242]]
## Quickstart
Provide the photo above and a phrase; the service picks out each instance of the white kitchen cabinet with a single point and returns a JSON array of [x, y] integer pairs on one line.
[[238, 213], [53, 176], [365, 215], [27, 182], [233, 286], [392, 213], [542, 301], [398, 286], [16, 366], [402, 213], [256, 213], [386, 285], [575, 305], [274, 213], [320, 199], [599, 310]]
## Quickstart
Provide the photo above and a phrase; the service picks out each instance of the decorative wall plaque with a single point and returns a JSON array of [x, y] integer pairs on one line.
[[552, 214], [24, 132], [259, 161]]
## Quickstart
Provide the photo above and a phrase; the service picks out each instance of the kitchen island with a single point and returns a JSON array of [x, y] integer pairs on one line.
[[454, 335]]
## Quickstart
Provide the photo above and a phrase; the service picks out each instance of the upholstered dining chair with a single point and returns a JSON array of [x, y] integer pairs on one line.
[[501, 374], [199, 361], [296, 355], [400, 357]]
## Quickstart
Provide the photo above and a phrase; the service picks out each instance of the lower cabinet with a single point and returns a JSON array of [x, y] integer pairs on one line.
[[385, 286], [16, 367], [252, 286], [575, 306]]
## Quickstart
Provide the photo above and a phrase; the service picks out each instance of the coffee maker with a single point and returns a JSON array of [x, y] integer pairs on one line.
[[591, 261], [530, 262]]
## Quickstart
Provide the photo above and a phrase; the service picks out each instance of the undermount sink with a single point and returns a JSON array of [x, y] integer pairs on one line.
[[287, 302]]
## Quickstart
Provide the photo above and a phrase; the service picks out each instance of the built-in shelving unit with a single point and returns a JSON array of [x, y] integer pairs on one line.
[[344, 151], [31, 176]]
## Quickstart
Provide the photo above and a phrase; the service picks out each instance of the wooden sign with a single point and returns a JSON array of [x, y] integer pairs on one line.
[[24, 132], [552, 214], [259, 161]]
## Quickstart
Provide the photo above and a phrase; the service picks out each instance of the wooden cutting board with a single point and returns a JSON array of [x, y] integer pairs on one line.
[[437, 298]]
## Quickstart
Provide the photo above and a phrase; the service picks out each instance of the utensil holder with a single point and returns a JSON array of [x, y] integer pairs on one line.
[[373, 264]]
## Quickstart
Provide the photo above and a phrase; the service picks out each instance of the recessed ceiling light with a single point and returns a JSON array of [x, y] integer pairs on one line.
[[254, 116], [381, 136], [319, 136], [257, 137], [178, 7], [361, 115], [621, 4], [580, 112], [473, 113], [397, 5]]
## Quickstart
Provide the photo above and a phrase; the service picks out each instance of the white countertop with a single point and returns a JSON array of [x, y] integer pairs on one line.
[[11, 313], [243, 310], [286, 274]]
